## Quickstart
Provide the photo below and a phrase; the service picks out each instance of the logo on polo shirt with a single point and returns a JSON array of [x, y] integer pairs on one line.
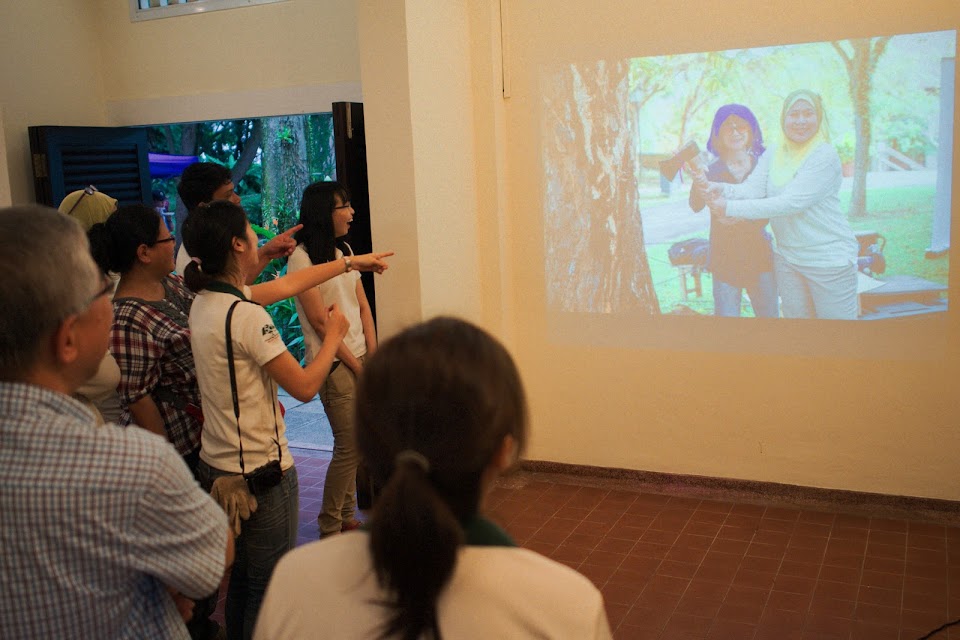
[[269, 333]]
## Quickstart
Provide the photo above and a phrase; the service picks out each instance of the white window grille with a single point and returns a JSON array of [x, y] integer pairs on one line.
[[153, 9]]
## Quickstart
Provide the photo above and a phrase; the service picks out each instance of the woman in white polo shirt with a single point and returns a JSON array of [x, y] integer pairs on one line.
[[440, 412], [243, 431], [326, 214]]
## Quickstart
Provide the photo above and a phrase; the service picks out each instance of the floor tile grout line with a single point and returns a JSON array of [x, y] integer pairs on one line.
[[920, 533]]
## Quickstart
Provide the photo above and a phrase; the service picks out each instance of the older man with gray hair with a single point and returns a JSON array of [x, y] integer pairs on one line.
[[104, 531]]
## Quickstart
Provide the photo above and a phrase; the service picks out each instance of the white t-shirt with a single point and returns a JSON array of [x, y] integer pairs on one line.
[[255, 343], [805, 215], [183, 259], [341, 290], [100, 391], [495, 592]]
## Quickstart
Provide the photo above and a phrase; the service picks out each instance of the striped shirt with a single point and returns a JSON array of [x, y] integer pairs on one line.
[[95, 523], [151, 343]]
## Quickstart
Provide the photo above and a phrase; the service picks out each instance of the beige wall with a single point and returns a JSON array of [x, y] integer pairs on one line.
[[854, 423], [84, 63], [857, 422], [455, 189], [293, 43], [50, 73], [297, 56]]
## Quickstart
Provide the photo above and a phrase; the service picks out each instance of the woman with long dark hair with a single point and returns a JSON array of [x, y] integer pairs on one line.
[[440, 413], [241, 359], [326, 214]]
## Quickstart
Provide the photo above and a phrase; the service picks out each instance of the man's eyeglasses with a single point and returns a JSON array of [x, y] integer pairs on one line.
[[345, 205], [105, 290], [169, 239], [87, 191]]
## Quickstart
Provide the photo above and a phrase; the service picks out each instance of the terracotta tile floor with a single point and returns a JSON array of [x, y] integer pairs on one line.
[[675, 567]]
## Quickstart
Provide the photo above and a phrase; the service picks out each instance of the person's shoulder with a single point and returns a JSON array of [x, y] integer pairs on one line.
[[182, 255], [135, 440], [175, 281], [543, 575], [325, 551], [824, 153], [132, 314], [116, 456], [765, 156], [327, 564], [299, 259], [253, 326], [555, 598]]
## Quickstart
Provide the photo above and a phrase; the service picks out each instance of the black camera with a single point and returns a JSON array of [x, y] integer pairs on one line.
[[264, 478]]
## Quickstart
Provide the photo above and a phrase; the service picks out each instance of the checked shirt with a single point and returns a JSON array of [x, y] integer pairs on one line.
[[95, 522], [151, 344]]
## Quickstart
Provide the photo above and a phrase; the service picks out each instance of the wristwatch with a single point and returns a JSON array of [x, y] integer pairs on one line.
[[348, 263]]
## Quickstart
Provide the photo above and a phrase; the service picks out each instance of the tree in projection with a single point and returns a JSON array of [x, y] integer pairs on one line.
[[861, 61], [285, 170], [702, 77], [595, 257]]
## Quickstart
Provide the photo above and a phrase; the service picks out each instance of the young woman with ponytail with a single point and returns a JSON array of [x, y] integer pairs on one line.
[[440, 413], [244, 432], [150, 341]]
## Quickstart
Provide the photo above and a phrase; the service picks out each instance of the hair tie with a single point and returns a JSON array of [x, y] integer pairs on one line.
[[198, 261], [417, 458]]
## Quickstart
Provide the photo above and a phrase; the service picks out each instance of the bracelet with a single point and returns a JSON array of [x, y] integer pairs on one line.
[[348, 263]]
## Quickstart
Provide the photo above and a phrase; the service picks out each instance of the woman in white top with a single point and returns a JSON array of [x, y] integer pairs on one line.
[[815, 259], [326, 214], [440, 413], [89, 206], [243, 431]]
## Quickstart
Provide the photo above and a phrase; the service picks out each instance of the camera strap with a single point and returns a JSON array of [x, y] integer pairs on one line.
[[235, 393]]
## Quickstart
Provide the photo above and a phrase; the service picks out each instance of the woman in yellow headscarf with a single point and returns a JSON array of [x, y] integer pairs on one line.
[[815, 259]]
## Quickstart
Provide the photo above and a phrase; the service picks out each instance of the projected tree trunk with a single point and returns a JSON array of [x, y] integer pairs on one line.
[[860, 67], [595, 258]]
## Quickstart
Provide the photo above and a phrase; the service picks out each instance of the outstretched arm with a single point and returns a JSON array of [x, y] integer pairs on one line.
[[279, 246], [818, 177], [755, 186], [295, 283]]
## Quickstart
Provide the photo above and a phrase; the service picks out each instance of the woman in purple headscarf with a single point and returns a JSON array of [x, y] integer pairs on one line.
[[741, 257]]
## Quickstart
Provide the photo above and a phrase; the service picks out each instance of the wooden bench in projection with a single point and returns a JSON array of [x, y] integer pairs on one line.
[[900, 296]]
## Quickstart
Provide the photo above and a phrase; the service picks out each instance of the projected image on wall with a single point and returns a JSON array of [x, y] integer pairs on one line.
[[795, 181]]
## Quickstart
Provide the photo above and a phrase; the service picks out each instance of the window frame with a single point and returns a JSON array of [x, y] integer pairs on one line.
[[192, 7]]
